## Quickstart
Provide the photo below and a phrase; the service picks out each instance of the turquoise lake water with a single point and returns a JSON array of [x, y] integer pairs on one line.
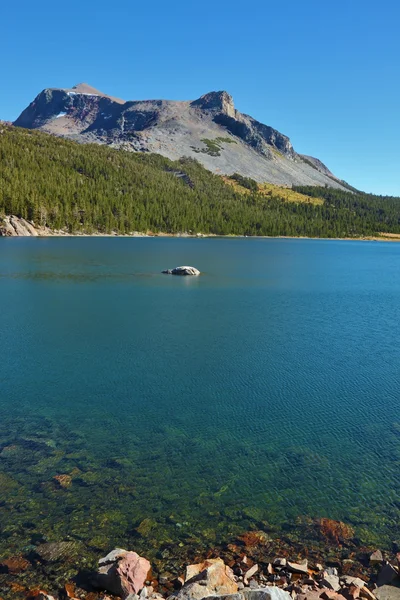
[[264, 391]]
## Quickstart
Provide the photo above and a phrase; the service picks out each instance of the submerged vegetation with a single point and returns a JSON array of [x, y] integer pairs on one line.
[[65, 185]]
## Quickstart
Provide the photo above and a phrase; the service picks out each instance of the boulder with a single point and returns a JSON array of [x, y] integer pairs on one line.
[[182, 271], [209, 578], [388, 592], [122, 573], [387, 574]]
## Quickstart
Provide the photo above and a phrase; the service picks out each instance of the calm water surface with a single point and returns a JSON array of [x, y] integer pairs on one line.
[[195, 408]]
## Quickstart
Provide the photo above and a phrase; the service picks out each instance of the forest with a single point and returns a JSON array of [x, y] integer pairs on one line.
[[93, 188]]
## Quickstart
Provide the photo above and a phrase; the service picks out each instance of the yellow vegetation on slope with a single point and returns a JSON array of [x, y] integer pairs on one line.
[[277, 191]]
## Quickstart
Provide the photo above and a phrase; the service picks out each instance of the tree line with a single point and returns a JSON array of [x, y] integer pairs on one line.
[[65, 185]]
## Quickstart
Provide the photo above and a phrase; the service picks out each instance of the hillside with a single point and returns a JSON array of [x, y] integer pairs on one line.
[[209, 129], [60, 184]]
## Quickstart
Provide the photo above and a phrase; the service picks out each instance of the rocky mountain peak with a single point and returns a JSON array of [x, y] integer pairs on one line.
[[208, 129], [221, 101]]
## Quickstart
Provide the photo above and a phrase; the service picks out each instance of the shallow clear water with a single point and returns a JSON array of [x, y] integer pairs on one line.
[[265, 390]]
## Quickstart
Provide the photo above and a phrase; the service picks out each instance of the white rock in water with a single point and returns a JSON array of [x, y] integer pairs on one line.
[[182, 271]]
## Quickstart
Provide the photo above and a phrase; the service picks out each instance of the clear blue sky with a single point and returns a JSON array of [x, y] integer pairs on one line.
[[324, 72]]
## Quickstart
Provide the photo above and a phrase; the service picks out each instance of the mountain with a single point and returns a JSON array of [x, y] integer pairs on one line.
[[209, 129]]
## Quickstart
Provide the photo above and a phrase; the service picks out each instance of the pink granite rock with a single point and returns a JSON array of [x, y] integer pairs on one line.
[[122, 572]]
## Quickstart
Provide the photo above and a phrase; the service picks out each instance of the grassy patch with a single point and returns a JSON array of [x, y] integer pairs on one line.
[[213, 147], [245, 185]]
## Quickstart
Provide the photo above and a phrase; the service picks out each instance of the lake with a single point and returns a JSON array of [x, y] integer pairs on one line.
[[263, 394]]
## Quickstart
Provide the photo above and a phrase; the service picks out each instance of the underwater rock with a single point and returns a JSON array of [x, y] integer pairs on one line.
[[122, 572], [55, 551], [14, 564], [182, 271], [64, 480]]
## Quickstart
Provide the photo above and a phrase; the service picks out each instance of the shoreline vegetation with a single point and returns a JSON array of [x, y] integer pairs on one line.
[[13, 226]]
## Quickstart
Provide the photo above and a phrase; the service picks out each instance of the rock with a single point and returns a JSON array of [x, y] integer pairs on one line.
[[348, 580], [366, 593], [226, 597], [387, 574], [301, 568], [209, 578], [352, 592], [309, 595], [15, 564], [331, 582], [269, 593], [329, 595], [165, 577], [54, 551], [279, 562], [63, 480], [122, 572], [376, 558], [250, 573], [182, 271], [388, 592], [331, 571]]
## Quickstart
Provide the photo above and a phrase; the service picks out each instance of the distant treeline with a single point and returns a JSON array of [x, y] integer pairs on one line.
[[63, 184]]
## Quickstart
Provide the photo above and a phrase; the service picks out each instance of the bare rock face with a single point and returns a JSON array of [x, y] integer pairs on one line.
[[175, 129], [122, 572], [218, 101]]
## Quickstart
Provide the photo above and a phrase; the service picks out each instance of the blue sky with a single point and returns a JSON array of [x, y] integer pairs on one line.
[[325, 73]]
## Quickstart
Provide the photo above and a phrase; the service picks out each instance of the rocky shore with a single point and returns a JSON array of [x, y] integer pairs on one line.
[[13, 226], [246, 570]]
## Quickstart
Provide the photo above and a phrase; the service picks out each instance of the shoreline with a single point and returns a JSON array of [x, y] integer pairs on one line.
[[12, 226], [335, 567]]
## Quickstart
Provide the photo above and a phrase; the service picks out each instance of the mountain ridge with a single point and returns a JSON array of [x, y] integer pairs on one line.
[[209, 128]]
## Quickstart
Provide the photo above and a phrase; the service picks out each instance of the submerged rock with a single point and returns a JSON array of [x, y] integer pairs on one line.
[[55, 551], [182, 271]]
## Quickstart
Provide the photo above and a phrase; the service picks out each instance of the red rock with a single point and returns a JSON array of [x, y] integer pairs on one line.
[[123, 573], [16, 587], [70, 590], [352, 592], [133, 571], [64, 480], [15, 564]]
